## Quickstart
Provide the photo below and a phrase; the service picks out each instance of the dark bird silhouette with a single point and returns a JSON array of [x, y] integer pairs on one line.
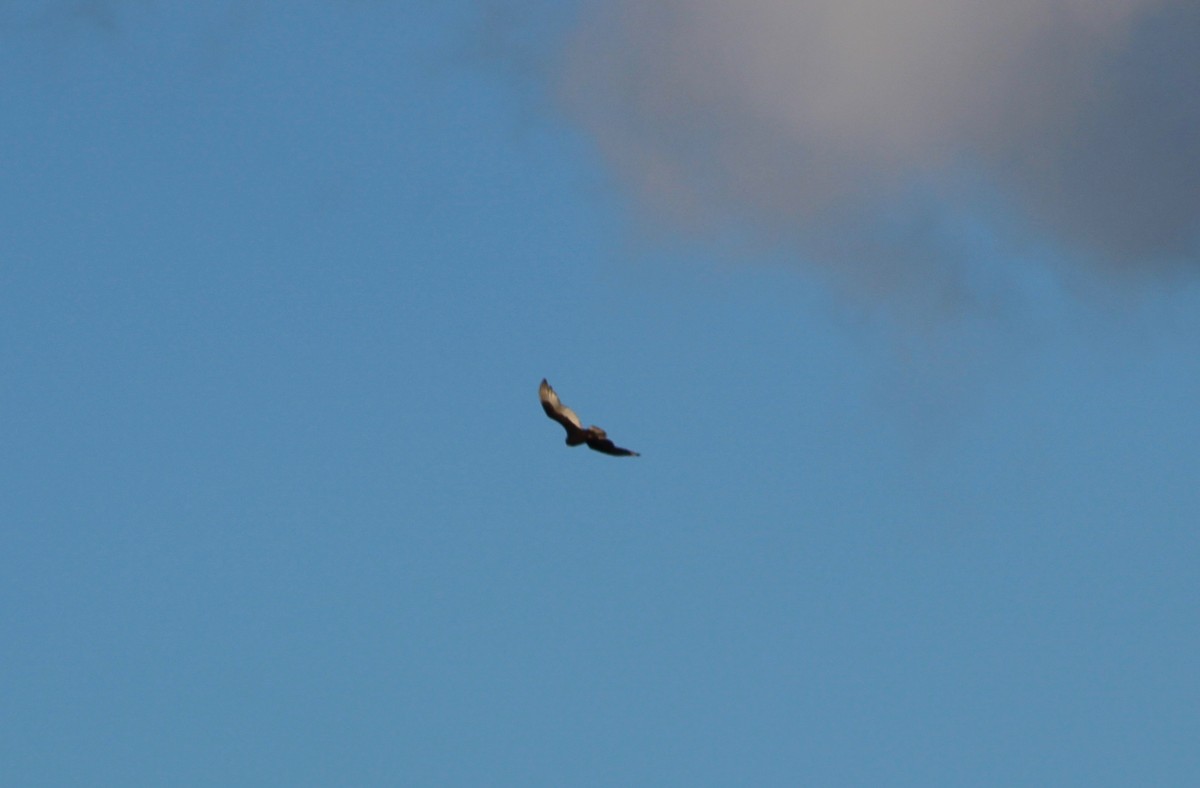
[[593, 436]]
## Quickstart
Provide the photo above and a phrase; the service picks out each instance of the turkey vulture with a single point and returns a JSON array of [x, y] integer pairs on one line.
[[593, 436]]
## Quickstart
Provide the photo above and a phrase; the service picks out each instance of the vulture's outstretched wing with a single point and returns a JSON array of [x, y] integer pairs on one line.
[[593, 436], [597, 439], [561, 413]]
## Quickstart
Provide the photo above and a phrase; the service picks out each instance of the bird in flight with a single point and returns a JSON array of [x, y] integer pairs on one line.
[[593, 436]]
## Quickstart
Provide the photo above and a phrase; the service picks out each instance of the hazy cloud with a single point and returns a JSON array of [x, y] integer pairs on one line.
[[867, 134], [902, 145]]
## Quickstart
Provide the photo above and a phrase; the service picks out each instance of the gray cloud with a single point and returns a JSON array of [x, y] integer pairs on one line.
[[900, 145], [865, 135]]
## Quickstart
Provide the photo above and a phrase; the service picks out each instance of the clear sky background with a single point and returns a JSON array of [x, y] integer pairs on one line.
[[914, 367]]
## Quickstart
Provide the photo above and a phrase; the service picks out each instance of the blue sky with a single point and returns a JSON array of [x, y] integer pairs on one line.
[[279, 282]]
